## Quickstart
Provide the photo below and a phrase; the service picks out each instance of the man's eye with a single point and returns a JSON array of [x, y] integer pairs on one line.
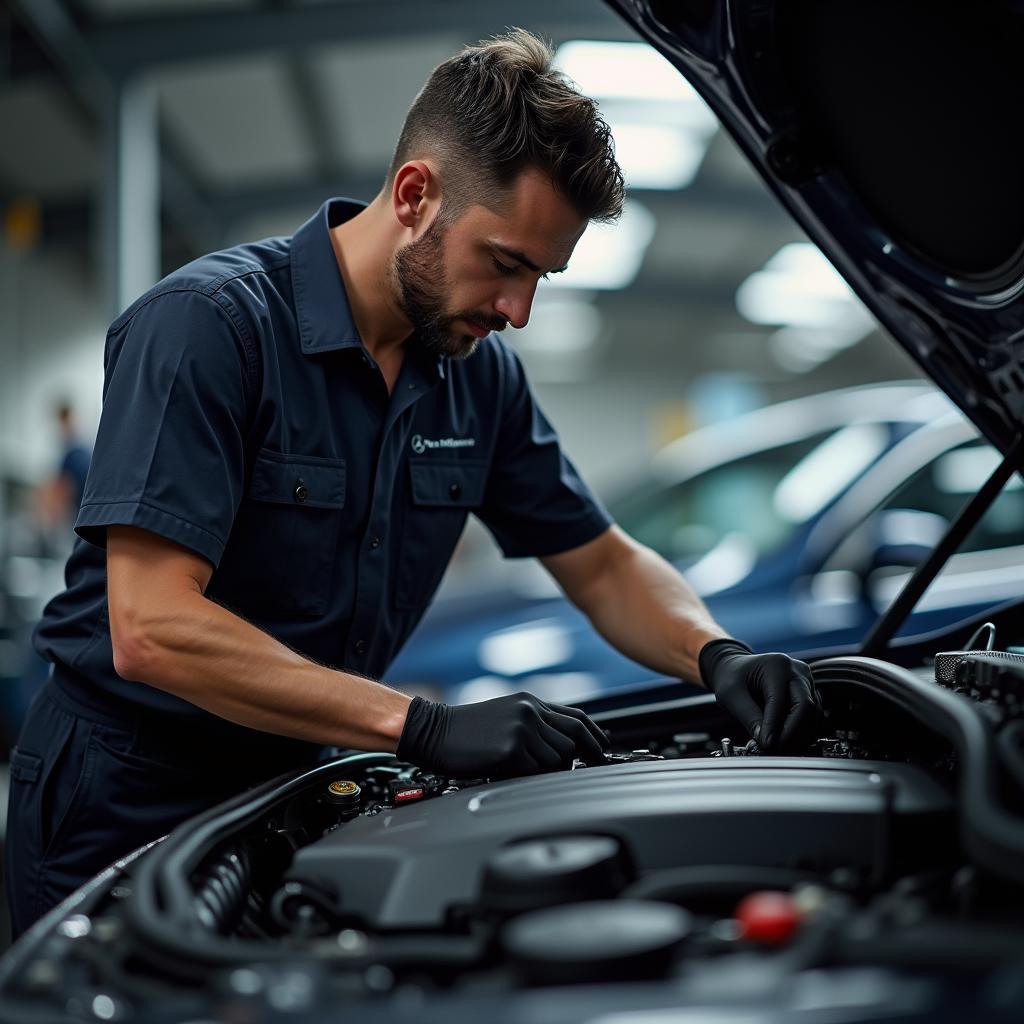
[[504, 268]]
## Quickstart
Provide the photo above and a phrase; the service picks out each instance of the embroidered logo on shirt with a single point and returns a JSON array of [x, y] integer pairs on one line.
[[420, 444]]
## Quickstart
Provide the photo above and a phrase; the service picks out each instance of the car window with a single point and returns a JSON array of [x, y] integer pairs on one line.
[[945, 485], [685, 520], [897, 536]]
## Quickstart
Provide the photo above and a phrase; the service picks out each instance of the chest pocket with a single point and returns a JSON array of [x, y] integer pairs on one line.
[[441, 494], [281, 555]]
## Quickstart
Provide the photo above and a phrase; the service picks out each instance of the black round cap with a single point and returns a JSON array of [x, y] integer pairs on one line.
[[545, 872], [606, 940]]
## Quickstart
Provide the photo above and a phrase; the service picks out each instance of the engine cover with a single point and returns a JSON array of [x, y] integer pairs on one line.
[[405, 866]]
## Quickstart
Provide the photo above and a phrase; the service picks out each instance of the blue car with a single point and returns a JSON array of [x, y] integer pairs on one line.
[[797, 524]]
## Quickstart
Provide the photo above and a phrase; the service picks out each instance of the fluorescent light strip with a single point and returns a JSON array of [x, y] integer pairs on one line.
[[608, 256], [640, 72], [660, 125], [657, 156]]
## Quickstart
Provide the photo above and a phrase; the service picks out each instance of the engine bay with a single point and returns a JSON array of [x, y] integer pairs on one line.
[[881, 870], [410, 866]]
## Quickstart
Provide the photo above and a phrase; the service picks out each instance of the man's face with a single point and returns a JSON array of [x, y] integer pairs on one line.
[[459, 281]]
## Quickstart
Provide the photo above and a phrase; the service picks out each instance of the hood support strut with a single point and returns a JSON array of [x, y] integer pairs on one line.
[[877, 640]]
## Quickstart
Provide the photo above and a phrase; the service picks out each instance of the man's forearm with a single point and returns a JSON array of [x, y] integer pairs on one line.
[[649, 612], [207, 655], [645, 608]]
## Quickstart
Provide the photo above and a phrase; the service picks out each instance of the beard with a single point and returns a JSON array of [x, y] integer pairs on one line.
[[422, 287]]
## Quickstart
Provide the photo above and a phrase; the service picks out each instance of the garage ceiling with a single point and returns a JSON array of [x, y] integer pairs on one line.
[[267, 106]]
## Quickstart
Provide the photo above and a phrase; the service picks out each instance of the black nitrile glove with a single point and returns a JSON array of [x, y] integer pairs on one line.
[[500, 738], [771, 695]]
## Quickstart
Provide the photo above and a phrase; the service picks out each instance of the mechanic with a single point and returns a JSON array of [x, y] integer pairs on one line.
[[293, 433]]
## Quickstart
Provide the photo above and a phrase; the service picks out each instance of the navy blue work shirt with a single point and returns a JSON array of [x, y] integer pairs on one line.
[[244, 419]]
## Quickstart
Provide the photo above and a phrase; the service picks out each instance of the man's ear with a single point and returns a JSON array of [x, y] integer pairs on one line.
[[415, 194]]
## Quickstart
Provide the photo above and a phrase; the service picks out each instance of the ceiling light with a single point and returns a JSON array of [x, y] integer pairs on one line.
[[641, 72], [802, 349], [657, 156], [660, 125], [798, 286], [608, 256], [817, 312]]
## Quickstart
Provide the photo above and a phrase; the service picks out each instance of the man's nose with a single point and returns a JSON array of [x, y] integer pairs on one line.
[[515, 306]]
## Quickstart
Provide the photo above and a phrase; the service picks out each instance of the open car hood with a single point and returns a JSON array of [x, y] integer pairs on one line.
[[890, 130]]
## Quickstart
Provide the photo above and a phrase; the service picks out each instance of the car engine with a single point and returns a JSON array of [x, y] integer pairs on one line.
[[878, 873]]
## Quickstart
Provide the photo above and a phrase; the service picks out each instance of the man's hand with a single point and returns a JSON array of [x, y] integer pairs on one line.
[[771, 695], [499, 738]]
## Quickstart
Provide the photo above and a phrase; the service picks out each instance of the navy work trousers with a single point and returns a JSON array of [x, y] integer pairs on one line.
[[88, 788]]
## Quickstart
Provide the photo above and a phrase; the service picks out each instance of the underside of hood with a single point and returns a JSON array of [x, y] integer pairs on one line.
[[891, 130]]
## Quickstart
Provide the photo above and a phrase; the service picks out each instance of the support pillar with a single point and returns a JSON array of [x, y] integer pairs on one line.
[[130, 194]]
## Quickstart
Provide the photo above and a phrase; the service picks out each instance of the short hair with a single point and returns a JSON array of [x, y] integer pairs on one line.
[[499, 107]]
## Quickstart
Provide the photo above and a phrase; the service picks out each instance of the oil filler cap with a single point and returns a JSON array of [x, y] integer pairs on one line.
[[606, 940], [343, 793], [540, 873]]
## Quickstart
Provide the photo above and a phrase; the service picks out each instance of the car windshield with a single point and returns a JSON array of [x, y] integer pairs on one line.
[[763, 497]]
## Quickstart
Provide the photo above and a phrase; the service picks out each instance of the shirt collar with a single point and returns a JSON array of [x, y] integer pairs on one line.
[[322, 309]]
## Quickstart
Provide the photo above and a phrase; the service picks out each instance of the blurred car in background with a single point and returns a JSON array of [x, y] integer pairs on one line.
[[797, 523]]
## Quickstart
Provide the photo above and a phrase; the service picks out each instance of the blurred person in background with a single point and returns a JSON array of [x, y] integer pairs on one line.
[[293, 433], [59, 498], [40, 535]]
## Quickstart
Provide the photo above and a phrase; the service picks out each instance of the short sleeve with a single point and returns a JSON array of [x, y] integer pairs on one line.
[[536, 503], [169, 451]]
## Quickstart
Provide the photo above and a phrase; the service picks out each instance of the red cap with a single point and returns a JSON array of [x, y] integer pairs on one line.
[[770, 917]]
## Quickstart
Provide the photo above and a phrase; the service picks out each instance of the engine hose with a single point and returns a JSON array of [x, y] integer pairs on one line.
[[220, 897], [163, 912], [991, 834]]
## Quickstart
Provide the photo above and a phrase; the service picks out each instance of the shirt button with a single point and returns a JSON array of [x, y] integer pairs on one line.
[[301, 492], [360, 647], [375, 543], [455, 490]]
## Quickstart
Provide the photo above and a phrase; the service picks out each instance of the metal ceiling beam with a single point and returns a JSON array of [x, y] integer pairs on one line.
[[21, 58], [54, 30], [102, 100], [124, 47], [312, 107]]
